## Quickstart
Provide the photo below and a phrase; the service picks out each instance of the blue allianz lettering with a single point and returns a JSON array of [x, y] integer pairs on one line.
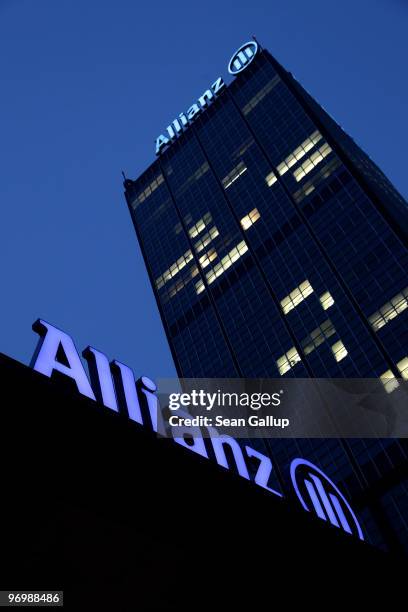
[[113, 384]]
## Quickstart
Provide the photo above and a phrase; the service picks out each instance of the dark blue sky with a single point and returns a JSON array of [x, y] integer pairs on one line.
[[87, 85]]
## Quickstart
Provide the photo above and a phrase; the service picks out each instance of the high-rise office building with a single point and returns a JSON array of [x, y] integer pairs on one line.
[[277, 248]]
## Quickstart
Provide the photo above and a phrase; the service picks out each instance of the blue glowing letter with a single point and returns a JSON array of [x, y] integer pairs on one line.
[[264, 470], [129, 391], [195, 439], [45, 357], [148, 387], [218, 442], [101, 377]]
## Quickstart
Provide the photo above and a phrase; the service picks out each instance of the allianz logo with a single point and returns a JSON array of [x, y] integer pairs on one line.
[[238, 62], [318, 494], [243, 57], [113, 384]]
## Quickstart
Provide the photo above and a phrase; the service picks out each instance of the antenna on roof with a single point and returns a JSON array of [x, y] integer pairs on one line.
[[255, 40], [126, 182]]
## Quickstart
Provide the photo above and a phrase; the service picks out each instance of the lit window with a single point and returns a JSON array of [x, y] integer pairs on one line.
[[319, 177], [197, 228], [299, 152], [227, 261], [389, 381], [176, 288], [326, 300], [390, 310], [270, 179], [200, 225], [207, 258], [150, 188], [403, 368], [296, 296], [339, 351], [183, 282], [250, 219], [206, 239], [174, 269], [288, 361], [200, 287], [377, 321], [318, 336], [312, 161], [234, 175]]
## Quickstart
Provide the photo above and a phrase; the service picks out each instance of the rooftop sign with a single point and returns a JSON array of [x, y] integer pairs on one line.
[[242, 57], [113, 384], [238, 62]]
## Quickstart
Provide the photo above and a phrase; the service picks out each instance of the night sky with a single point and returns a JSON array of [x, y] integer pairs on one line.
[[87, 85]]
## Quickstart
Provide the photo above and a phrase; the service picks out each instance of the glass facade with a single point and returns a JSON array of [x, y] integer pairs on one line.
[[276, 247]]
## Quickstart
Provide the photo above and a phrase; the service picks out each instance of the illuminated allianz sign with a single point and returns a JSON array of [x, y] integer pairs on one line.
[[238, 62], [174, 130], [242, 57], [113, 384], [318, 494]]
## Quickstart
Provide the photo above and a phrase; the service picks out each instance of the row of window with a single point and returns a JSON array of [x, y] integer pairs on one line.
[[288, 361], [206, 239], [292, 159], [309, 344], [296, 296], [227, 261], [300, 293], [312, 161], [250, 219], [207, 258], [174, 269], [299, 152], [287, 304], [390, 310], [326, 300], [180, 284], [150, 188], [187, 257], [271, 179], [200, 287], [200, 225], [339, 351], [235, 173], [318, 336], [313, 183]]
